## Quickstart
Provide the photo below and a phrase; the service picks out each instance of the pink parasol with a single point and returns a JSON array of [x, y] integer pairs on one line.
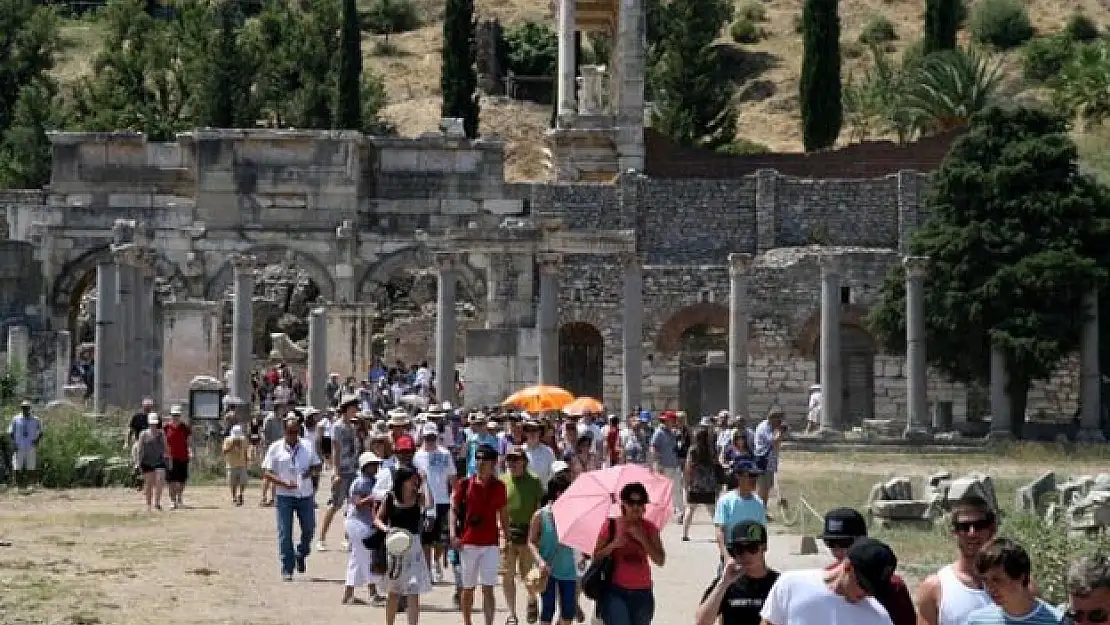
[[594, 497]]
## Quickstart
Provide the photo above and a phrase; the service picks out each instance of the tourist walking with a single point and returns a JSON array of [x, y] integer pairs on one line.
[[737, 595], [557, 563], [540, 456], [813, 414], [664, 457], [290, 465], [634, 544], [25, 430], [701, 478], [346, 448], [844, 595], [407, 572], [151, 455], [1088, 582], [235, 448], [955, 591], [478, 512], [360, 528], [273, 430], [769, 435], [843, 527], [178, 443], [1005, 568], [635, 440], [524, 495], [437, 467], [478, 436]]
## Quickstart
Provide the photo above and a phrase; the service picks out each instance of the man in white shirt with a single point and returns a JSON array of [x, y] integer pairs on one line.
[[437, 467], [540, 456], [813, 414], [290, 465], [843, 595], [25, 431]]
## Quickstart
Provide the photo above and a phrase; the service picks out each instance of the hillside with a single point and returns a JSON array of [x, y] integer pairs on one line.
[[766, 72]]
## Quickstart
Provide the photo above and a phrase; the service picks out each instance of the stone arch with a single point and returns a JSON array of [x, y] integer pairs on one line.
[[582, 359], [372, 283], [807, 342], [669, 339], [274, 254]]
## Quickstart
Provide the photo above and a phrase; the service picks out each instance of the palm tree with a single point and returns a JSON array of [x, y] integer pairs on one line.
[[950, 87], [1083, 86], [875, 103]]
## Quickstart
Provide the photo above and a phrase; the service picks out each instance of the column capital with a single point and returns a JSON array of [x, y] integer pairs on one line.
[[448, 261], [739, 264], [123, 231], [549, 262], [830, 264], [125, 254], [241, 263], [629, 259], [916, 266]]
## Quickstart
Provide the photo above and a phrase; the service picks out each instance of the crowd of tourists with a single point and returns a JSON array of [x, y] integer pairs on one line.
[[438, 495]]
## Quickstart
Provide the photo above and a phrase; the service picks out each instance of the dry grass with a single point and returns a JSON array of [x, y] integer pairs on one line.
[[766, 73]]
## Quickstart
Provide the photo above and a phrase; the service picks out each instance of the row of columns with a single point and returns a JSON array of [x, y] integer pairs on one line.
[[125, 344]]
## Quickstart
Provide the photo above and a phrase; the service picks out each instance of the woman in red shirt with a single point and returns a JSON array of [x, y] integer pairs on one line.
[[630, 600]]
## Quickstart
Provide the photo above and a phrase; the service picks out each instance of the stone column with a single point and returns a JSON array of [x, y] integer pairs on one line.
[[107, 338], [126, 390], [633, 317], [63, 361], [566, 84], [242, 334], [19, 349], [1090, 375], [144, 320], [1000, 400], [317, 359], [447, 268], [917, 406], [738, 266], [547, 318], [833, 398], [345, 264]]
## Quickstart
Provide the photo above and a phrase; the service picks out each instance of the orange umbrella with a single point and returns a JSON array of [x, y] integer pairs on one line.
[[539, 398], [584, 405]]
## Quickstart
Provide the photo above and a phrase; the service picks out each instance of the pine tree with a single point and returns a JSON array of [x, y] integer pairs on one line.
[[225, 70], [822, 114], [693, 99], [459, 82], [25, 148], [942, 20], [349, 105]]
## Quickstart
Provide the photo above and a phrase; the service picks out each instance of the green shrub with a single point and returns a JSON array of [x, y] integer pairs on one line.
[[1003, 24], [743, 147], [1051, 549], [1081, 28], [878, 30], [531, 49], [1044, 57], [752, 10], [852, 49], [387, 17], [744, 30], [67, 435]]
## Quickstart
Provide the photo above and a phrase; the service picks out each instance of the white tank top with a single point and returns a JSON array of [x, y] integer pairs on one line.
[[956, 599]]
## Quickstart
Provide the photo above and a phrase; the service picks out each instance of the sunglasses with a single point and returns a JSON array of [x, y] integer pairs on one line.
[[839, 543], [1097, 615], [741, 548], [978, 525]]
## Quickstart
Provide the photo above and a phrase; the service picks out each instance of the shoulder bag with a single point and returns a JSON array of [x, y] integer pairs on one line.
[[598, 578]]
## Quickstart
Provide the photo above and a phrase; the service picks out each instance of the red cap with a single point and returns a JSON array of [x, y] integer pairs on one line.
[[668, 416], [404, 443]]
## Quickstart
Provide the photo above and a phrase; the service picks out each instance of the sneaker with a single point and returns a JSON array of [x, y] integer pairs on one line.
[[286, 577], [301, 564], [347, 546], [173, 505], [321, 546]]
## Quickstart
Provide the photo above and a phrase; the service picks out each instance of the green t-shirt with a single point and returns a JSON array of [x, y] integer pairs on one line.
[[524, 495]]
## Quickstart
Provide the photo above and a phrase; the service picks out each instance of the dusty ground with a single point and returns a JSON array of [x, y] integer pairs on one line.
[[87, 557]]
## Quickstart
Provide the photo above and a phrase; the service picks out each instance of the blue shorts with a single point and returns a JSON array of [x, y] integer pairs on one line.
[[566, 593]]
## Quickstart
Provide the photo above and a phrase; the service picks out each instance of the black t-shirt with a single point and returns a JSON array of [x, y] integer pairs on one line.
[[138, 424], [744, 598]]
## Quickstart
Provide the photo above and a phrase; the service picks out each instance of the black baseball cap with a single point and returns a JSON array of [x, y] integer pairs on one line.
[[485, 452], [841, 523], [747, 532], [873, 564]]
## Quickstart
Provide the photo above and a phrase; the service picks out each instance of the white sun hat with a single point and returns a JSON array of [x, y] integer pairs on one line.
[[398, 542]]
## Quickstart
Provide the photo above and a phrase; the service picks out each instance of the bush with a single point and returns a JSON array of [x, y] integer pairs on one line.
[[1044, 57], [1081, 28], [68, 435], [1003, 24], [531, 49], [1051, 549], [852, 50], [878, 30], [744, 30], [743, 147], [752, 10], [387, 17]]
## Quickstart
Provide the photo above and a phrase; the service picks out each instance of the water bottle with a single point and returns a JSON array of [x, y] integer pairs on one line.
[[453, 557]]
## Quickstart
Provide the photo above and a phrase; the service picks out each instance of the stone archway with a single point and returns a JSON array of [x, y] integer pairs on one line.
[[669, 339], [857, 369], [582, 359], [278, 255], [407, 278], [687, 339]]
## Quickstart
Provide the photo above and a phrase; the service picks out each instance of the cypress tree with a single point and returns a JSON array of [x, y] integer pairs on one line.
[[822, 114], [459, 81], [942, 20], [349, 109]]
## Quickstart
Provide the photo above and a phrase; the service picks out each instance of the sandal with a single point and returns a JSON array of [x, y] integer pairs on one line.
[[533, 613], [511, 620]]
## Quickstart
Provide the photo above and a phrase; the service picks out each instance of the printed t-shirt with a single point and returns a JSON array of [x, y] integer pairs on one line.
[[744, 598], [177, 440], [732, 509], [483, 502], [1041, 614], [438, 467], [631, 568]]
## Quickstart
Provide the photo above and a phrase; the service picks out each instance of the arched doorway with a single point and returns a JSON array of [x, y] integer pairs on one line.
[[857, 368], [703, 370], [581, 359]]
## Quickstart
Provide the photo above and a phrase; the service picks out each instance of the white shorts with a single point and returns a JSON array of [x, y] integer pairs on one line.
[[25, 459], [479, 565]]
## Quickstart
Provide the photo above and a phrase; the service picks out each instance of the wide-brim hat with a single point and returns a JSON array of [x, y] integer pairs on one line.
[[347, 400], [367, 457], [477, 417], [398, 420]]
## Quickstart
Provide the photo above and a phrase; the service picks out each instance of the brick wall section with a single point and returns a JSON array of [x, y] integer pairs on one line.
[[837, 212], [694, 221]]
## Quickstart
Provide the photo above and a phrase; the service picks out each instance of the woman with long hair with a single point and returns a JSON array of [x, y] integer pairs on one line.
[[700, 475], [635, 545], [556, 561], [151, 455], [408, 574]]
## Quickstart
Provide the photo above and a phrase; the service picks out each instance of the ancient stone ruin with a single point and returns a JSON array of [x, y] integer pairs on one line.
[[894, 503]]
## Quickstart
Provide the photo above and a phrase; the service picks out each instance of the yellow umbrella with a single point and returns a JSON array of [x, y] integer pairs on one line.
[[584, 405], [539, 398]]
